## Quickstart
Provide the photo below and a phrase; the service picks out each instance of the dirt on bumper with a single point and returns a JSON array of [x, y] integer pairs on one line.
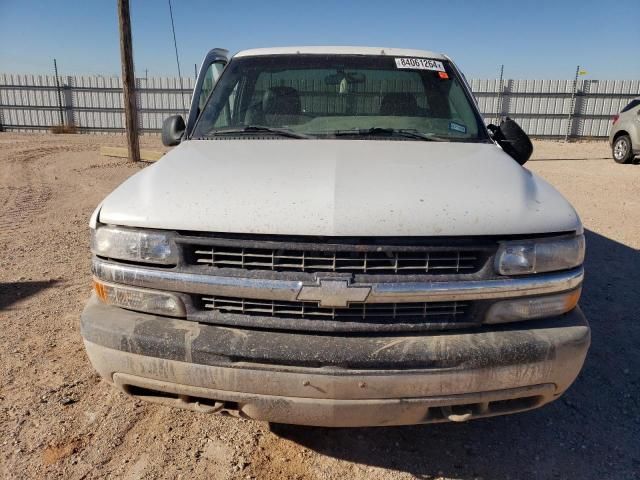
[[328, 380]]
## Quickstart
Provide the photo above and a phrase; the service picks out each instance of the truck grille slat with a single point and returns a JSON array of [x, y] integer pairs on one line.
[[360, 260], [404, 262], [435, 311]]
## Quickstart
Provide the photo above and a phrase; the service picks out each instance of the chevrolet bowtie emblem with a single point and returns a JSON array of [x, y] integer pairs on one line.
[[333, 293]]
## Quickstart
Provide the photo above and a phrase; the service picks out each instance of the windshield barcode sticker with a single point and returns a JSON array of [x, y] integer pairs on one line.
[[420, 64]]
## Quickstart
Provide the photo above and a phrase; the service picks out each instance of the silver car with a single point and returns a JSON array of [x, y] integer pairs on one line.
[[625, 133]]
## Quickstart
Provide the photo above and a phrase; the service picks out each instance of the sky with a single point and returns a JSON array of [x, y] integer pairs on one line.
[[533, 39]]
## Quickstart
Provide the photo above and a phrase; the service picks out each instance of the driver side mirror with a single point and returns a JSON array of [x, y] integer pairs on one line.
[[173, 128], [513, 140]]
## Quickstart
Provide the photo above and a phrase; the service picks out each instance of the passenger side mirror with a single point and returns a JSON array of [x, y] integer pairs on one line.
[[173, 128], [513, 140]]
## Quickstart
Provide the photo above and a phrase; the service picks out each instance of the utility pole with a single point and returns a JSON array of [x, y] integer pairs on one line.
[[128, 80]]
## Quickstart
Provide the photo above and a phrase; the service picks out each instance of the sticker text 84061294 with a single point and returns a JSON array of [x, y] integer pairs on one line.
[[420, 64]]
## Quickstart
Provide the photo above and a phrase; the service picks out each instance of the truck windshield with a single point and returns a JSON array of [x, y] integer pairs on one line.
[[341, 96]]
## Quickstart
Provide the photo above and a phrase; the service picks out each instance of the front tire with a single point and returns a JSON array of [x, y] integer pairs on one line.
[[621, 149]]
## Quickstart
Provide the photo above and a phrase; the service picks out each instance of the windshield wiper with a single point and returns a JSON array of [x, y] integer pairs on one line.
[[283, 132], [390, 132]]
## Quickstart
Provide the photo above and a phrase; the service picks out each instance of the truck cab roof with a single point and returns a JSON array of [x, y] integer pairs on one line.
[[340, 50]]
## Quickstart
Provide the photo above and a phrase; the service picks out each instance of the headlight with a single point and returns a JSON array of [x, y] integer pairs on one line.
[[140, 299], [537, 256], [133, 245], [530, 308]]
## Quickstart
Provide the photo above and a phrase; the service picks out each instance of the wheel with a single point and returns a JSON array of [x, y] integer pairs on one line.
[[622, 149]]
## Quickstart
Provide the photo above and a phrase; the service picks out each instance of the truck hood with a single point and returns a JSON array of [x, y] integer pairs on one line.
[[339, 188]]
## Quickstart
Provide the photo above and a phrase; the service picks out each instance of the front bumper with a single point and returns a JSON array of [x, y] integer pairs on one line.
[[341, 380]]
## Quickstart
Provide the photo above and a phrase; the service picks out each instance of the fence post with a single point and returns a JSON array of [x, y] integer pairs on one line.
[[505, 98], [55, 69], [2, 109], [499, 99], [140, 106], [572, 103], [69, 104]]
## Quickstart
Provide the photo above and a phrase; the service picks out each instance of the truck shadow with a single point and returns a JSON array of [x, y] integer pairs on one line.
[[591, 432], [12, 292]]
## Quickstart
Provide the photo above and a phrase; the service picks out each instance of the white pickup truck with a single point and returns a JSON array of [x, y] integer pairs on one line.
[[338, 240]]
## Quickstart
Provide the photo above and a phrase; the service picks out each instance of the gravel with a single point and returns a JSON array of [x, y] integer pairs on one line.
[[60, 420]]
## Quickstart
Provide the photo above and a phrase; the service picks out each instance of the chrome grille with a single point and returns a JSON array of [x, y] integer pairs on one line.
[[371, 262], [440, 312]]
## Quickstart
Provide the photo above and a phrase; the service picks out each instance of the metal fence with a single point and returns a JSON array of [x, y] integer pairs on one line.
[[549, 108], [89, 103], [545, 108]]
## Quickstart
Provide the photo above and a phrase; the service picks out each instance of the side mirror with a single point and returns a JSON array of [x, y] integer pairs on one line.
[[513, 140], [173, 128]]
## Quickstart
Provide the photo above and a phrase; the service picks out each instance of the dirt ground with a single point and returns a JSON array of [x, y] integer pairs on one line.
[[59, 420]]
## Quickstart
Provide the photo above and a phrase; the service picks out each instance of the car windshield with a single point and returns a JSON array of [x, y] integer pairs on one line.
[[341, 96], [633, 104]]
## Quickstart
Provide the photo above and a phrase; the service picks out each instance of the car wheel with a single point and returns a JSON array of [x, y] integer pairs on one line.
[[622, 149]]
